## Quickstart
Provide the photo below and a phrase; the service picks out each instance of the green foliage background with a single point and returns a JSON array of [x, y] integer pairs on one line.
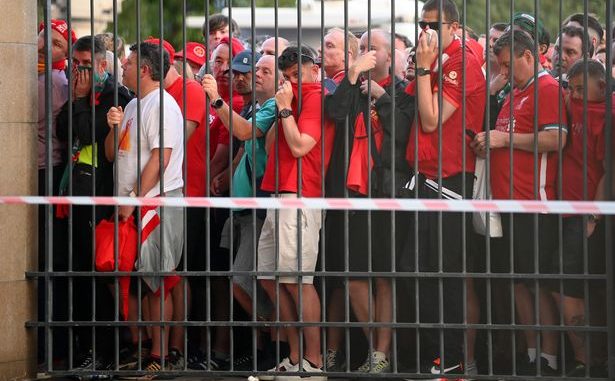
[[500, 10], [172, 17]]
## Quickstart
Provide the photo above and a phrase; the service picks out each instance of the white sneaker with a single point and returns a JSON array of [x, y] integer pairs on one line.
[[284, 366]]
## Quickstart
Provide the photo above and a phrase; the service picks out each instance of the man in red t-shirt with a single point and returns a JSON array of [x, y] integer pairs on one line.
[[299, 144], [446, 163], [586, 137], [517, 180]]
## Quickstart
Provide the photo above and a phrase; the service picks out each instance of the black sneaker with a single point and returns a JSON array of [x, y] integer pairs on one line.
[[525, 367], [546, 370], [335, 361], [578, 370], [198, 361], [90, 365], [244, 362], [176, 360]]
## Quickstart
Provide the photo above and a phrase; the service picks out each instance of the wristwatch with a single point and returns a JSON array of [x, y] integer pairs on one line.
[[285, 113], [217, 103], [422, 71]]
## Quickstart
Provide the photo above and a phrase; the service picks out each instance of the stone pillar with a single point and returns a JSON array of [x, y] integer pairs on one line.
[[18, 166]]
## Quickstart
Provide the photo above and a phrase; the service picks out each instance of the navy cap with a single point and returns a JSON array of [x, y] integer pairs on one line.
[[242, 62]]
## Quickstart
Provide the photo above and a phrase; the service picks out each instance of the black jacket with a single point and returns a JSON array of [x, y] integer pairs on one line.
[[347, 101], [82, 131]]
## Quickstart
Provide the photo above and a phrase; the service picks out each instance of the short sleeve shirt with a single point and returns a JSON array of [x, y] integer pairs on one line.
[[130, 147], [264, 118], [573, 162], [522, 121], [453, 134], [309, 122]]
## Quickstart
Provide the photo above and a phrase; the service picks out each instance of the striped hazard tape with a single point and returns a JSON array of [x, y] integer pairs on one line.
[[421, 205]]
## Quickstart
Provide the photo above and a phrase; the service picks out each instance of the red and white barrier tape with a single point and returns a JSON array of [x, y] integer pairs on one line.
[[421, 205]]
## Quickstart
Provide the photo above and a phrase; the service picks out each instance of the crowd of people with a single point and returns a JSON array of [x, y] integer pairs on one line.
[[365, 115]]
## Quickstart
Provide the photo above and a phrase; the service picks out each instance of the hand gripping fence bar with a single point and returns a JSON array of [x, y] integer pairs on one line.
[[419, 205]]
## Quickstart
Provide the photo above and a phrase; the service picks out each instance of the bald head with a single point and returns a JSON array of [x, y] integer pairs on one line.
[[265, 86], [380, 42], [268, 46]]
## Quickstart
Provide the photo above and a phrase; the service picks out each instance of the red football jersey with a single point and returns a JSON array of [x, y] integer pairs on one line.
[[308, 122], [196, 151], [572, 167], [453, 134], [523, 161]]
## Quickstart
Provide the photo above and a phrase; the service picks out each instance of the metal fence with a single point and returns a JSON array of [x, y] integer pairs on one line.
[[401, 269]]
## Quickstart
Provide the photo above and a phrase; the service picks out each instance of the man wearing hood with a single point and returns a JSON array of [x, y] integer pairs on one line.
[[89, 162]]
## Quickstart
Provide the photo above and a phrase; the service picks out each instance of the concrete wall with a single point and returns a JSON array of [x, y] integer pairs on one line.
[[18, 147]]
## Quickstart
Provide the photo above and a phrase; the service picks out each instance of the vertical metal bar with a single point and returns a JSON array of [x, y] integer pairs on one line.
[[230, 174], [487, 183], [48, 190], [464, 264], [585, 50], [208, 174], [415, 216], [116, 285], [610, 273], [185, 282], [511, 234], [139, 278], [393, 87], [440, 161], [277, 188], [300, 191], [161, 93], [560, 156], [368, 127], [536, 250], [323, 235], [346, 212], [93, 210], [69, 148], [255, 330]]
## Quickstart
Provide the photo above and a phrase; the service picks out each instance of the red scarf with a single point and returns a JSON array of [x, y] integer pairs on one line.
[[358, 168], [60, 65]]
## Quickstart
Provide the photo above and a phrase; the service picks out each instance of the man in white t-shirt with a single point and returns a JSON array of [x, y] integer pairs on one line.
[[167, 233]]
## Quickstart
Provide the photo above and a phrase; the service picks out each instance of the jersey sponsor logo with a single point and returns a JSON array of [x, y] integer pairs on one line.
[[503, 124]]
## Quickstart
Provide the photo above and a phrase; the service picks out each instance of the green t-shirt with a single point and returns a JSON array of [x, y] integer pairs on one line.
[[242, 184]]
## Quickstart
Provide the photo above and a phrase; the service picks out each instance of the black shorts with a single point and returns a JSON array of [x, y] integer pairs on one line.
[[529, 232], [573, 260], [358, 245], [449, 241]]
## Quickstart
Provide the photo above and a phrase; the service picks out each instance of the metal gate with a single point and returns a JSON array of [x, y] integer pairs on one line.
[[384, 249]]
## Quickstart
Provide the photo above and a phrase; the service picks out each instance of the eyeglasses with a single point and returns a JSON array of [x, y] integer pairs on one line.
[[433, 25]]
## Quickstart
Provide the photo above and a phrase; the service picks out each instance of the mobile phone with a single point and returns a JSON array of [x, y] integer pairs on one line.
[[470, 133], [84, 68]]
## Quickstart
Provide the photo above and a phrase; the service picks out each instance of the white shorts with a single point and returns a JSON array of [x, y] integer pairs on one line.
[[287, 260]]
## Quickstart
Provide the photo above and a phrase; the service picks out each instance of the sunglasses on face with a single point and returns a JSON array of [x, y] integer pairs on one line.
[[433, 25]]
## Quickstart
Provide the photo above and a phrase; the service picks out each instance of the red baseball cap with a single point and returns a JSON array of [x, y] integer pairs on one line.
[[236, 44], [167, 46], [195, 53], [61, 27]]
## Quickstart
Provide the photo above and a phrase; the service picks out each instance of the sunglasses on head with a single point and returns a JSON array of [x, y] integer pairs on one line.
[[433, 25], [294, 58]]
